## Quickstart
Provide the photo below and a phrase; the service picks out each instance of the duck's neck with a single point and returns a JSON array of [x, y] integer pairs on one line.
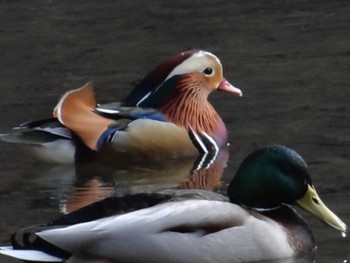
[[190, 108]]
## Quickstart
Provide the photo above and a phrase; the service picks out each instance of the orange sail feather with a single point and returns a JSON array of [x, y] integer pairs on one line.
[[74, 110]]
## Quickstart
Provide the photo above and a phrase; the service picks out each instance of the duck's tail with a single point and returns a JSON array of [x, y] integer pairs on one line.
[[29, 255], [75, 111]]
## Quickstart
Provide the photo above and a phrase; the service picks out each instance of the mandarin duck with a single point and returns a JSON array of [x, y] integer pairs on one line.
[[254, 222], [166, 114]]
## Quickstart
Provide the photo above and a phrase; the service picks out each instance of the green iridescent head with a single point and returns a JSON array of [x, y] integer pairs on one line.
[[278, 175]]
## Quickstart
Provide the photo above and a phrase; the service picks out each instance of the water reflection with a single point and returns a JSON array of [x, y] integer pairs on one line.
[[41, 184], [97, 180]]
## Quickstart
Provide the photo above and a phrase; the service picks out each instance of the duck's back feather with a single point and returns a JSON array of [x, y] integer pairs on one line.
[[179, 231]]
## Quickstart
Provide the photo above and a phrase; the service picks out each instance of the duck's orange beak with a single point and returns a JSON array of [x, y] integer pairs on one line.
[[227, 87]]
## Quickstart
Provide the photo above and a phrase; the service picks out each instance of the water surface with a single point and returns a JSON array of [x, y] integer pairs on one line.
[[290, 58]]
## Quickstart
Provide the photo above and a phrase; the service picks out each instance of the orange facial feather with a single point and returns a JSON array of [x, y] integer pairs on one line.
[[188, 106]]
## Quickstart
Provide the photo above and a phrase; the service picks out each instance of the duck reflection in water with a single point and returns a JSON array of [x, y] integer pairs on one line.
[[97, 180]]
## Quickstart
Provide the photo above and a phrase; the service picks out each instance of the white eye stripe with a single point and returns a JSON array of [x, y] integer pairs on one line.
[[198, 62]]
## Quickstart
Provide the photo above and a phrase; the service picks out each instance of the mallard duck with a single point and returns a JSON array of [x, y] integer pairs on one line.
[[255, 221], [166, 114]]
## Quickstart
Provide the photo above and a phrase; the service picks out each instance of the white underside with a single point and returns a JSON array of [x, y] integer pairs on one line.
[[58, 151]]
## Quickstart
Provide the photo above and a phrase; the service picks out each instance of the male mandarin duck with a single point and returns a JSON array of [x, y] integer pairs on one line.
[[255, 222], [166, 114]]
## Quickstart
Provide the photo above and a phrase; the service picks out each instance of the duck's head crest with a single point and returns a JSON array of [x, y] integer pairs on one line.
[[202, 64]]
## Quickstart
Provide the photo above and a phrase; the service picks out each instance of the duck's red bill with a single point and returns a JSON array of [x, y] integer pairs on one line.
[[227, 87]]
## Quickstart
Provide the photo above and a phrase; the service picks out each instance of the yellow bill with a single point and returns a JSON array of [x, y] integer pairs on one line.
[[312, 203]]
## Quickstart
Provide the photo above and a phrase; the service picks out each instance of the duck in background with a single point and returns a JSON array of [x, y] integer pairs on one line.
[[255, 222], [166, 114]]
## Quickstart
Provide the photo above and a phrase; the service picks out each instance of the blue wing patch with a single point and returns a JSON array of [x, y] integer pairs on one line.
[[106, 136]]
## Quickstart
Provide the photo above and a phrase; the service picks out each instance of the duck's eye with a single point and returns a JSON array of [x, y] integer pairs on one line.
[[208, 71]]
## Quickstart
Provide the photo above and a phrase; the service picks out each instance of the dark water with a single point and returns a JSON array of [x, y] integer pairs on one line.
[[290, 58]]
